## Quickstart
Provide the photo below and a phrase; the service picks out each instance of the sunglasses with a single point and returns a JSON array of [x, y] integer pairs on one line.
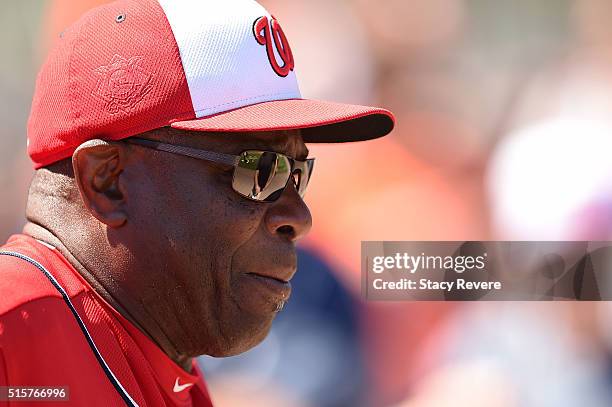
[[258, 175]]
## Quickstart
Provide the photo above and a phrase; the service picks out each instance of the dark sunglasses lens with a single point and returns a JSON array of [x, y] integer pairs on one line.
[[261, 175]]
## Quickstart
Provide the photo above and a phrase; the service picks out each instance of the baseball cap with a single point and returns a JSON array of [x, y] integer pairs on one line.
[[135, 65]]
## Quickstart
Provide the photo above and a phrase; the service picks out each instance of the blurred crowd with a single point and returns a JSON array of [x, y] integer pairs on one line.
[[504, 132]]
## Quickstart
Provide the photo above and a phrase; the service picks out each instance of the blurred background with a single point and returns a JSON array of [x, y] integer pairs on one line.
[[504, 119]]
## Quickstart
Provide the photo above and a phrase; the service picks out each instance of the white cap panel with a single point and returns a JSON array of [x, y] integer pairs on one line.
[[225, 66]]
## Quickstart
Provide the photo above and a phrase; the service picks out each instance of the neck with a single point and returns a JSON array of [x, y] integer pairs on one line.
[[130, 310]]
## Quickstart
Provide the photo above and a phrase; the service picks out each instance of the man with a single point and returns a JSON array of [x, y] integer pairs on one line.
[[168, 141]]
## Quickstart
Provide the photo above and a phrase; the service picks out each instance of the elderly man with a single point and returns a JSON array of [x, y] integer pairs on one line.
[[168, 142]]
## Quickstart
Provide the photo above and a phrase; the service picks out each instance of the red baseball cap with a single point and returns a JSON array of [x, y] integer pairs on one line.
[[135, 65]]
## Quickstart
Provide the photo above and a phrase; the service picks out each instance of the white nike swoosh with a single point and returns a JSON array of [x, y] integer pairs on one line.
[[180, 387]]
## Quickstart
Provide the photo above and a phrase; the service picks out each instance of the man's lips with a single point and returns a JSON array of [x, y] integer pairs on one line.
[[279, 268], [279, 280], [276, 283], [282, 276]]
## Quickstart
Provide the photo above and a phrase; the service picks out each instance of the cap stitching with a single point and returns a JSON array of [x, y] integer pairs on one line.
[[71, 113]]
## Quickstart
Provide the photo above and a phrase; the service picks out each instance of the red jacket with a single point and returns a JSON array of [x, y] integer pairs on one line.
[[41, 343]]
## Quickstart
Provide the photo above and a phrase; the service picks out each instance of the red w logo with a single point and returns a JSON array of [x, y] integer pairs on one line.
[[266, 35]]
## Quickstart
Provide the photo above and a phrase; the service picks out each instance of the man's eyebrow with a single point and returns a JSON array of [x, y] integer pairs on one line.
[[304, 155], [303, 151]]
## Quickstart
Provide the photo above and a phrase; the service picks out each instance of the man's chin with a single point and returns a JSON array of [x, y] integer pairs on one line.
[[247, 322], [259, 298], [243, 338]]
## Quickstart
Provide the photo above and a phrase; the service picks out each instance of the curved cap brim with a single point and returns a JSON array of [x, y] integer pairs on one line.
[[322, 122]]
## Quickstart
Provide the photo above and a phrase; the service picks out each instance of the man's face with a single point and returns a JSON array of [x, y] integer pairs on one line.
[[212, 266]]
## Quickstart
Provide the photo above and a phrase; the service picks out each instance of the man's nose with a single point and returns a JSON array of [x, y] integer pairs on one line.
[[289, 217]]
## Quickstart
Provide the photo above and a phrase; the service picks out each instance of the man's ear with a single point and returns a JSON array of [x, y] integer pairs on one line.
[[97, 168]]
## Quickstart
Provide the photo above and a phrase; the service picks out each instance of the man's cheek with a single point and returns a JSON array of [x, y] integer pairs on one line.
[[243, 218]]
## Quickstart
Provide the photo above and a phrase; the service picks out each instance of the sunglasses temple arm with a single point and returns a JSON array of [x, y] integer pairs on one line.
[[220, 158]]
